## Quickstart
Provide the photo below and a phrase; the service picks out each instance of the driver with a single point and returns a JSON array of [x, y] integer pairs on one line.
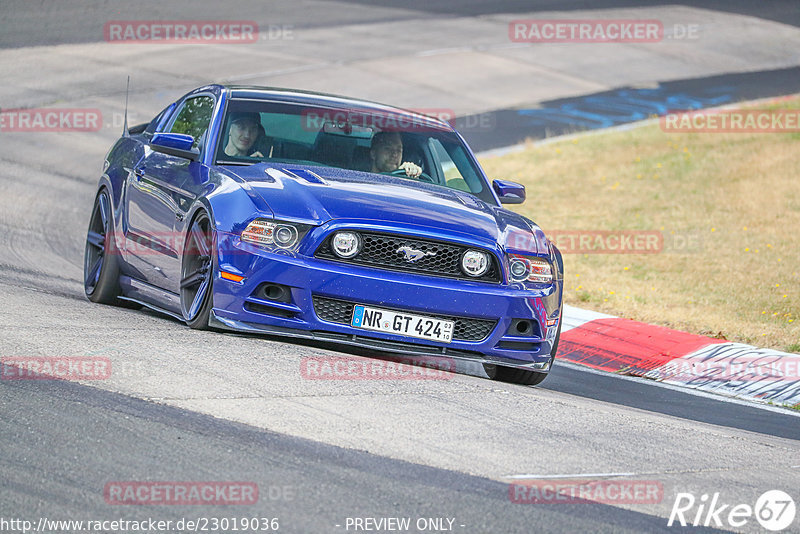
[[244, 131], [386, 154]]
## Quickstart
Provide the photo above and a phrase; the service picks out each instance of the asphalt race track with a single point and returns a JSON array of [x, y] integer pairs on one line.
[[182, 405]]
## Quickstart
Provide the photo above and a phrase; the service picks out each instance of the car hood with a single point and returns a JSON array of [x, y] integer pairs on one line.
[[316, 195]]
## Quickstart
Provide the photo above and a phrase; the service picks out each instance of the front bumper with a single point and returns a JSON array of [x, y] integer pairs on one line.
[[240, 306]]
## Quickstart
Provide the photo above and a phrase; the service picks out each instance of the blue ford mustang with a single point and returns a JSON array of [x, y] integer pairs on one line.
[[308, 215]]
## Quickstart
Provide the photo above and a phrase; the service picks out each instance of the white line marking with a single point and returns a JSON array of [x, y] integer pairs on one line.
[[504, 46], [439, 51], [579, 475], [278, 72], [696, 392]]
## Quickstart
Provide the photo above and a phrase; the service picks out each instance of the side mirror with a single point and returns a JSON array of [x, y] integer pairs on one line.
[[175, 145], [509, 192]]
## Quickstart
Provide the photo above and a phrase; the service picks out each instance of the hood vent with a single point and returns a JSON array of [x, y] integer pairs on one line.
[[305, 174]]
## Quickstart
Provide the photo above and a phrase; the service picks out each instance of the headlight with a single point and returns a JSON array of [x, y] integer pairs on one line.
[[285, 236], [266, 232], [475, 263], [346, 244], [518, 269], [531, 269]]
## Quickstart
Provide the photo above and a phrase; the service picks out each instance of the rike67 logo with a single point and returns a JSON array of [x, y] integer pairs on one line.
[[774, 510]]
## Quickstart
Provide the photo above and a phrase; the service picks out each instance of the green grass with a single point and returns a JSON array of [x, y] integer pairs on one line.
[[736, 196]]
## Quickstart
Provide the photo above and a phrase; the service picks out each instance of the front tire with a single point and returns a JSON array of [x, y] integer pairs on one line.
[[197, 273]]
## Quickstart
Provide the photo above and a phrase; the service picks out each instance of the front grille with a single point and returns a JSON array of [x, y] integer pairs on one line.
[[465, 329], [381, 250]]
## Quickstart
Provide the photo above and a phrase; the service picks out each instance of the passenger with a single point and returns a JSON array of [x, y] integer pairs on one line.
[[245, 130], [386, 154]]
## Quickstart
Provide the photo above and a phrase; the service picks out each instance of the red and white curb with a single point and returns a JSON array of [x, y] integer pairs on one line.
[[623, 346]]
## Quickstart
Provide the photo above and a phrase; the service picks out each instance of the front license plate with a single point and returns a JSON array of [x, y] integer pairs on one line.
[[404, 324]]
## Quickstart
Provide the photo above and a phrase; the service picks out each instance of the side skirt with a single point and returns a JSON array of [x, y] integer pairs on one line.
[[155, 298]]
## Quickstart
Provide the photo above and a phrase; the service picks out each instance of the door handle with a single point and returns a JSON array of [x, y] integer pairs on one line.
[[178, 216]]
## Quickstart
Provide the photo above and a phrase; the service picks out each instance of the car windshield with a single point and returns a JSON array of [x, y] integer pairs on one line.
[[361, 140]]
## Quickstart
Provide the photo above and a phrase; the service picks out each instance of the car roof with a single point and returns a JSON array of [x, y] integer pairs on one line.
[[313, 98]]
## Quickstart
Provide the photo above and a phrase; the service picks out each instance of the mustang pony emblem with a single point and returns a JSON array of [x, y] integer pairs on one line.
[[412, 254]]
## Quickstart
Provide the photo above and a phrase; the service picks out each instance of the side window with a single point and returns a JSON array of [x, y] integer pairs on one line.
[[194, 118], [446, 163], [159, 120], [458, 171]]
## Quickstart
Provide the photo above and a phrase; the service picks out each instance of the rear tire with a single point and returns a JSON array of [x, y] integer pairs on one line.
[[525, 377], [100, 269]]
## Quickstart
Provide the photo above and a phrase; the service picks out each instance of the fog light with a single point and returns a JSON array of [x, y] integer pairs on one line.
[[346, 244], [475, 263]]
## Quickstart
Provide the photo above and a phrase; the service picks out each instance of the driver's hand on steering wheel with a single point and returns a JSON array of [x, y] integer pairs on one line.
[[412, 169]]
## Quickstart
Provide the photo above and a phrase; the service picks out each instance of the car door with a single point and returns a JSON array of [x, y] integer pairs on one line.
[[157, 199]]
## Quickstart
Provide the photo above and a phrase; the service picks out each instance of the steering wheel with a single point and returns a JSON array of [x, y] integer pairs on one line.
[[422, 177]]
